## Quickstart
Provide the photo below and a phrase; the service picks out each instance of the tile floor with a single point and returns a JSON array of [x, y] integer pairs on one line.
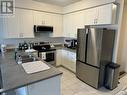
[[70, 85]]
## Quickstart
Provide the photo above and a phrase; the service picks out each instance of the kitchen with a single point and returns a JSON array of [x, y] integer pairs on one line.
[[64, 19]]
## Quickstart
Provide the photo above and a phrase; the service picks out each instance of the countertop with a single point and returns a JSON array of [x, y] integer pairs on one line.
[[58, 47], [14, 76]]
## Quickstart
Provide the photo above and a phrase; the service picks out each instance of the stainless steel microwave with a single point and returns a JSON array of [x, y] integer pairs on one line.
[[40, 28]]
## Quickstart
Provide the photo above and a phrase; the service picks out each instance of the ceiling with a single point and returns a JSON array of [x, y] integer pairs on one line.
[[58, 2]]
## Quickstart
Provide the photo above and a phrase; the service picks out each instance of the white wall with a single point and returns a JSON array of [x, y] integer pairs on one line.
[[122, 49], [85, 4], [125, 47], [38, 6], [124, 41]]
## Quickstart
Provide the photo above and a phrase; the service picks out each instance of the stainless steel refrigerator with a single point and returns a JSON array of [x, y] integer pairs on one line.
[[94, 47]]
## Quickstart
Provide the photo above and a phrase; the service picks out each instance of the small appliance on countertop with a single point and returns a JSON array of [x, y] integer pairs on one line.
[[71, 43]]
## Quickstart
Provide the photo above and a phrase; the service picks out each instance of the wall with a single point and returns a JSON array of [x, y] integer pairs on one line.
[[122, 49], [85, 4]]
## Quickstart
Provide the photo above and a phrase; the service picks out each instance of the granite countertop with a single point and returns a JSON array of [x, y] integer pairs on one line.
[[65, 48], [14, 76]]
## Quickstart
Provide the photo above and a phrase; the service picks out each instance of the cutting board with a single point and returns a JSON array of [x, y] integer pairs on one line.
[[34, 67]]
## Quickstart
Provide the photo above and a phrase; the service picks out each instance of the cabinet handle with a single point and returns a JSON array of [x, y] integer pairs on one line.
[[21, 35], [43, 22], [96, 20]]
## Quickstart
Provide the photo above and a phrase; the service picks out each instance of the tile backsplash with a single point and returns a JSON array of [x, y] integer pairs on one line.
[[16, 41]]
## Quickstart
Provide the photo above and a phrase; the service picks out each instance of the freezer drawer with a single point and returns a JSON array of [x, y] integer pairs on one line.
[[88, 74]]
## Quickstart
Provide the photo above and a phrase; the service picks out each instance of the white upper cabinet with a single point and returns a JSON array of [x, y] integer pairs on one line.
[[71, 22], [105, 14], [57, 22], [49, 19], [19, 26], [91, 16], [26, 22], [42, 18], [66, 24]]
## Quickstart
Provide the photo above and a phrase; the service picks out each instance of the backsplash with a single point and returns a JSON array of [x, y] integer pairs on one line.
[[15, 41]]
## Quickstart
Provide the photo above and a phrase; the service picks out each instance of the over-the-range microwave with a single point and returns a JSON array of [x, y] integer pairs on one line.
[[41, 28]]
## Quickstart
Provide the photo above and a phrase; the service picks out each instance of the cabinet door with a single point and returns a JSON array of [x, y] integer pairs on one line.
[[1, 28], [72, 63], [37, 18], [19, 26], [47, 18], [12, 25], [22, 91], [72, 22], [26, 24], [77, 21], [49, 86], [91, 16], [57, 25], [66, 25], [69, 60], [65, 60], [58, 57], [105, 14], [42, 18]]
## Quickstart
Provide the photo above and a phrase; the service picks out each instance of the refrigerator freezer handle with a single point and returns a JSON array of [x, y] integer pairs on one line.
[[87, 35]]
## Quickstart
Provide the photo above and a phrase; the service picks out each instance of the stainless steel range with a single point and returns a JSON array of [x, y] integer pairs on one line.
[[46, 53]]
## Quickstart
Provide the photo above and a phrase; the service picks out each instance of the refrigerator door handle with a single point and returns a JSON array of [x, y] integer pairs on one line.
[[87, 33], [81, 42]]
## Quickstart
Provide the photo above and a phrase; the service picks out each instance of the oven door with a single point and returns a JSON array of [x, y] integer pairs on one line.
[[48, 56]]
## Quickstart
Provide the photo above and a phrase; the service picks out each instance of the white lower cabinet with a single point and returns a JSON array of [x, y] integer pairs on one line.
[[72, 61], [49, 86], [69, 60], [59, 57]]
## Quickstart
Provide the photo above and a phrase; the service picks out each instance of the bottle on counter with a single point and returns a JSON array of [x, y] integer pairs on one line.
[[3, 48], [19, 60], [20, 46], [25, 46]]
